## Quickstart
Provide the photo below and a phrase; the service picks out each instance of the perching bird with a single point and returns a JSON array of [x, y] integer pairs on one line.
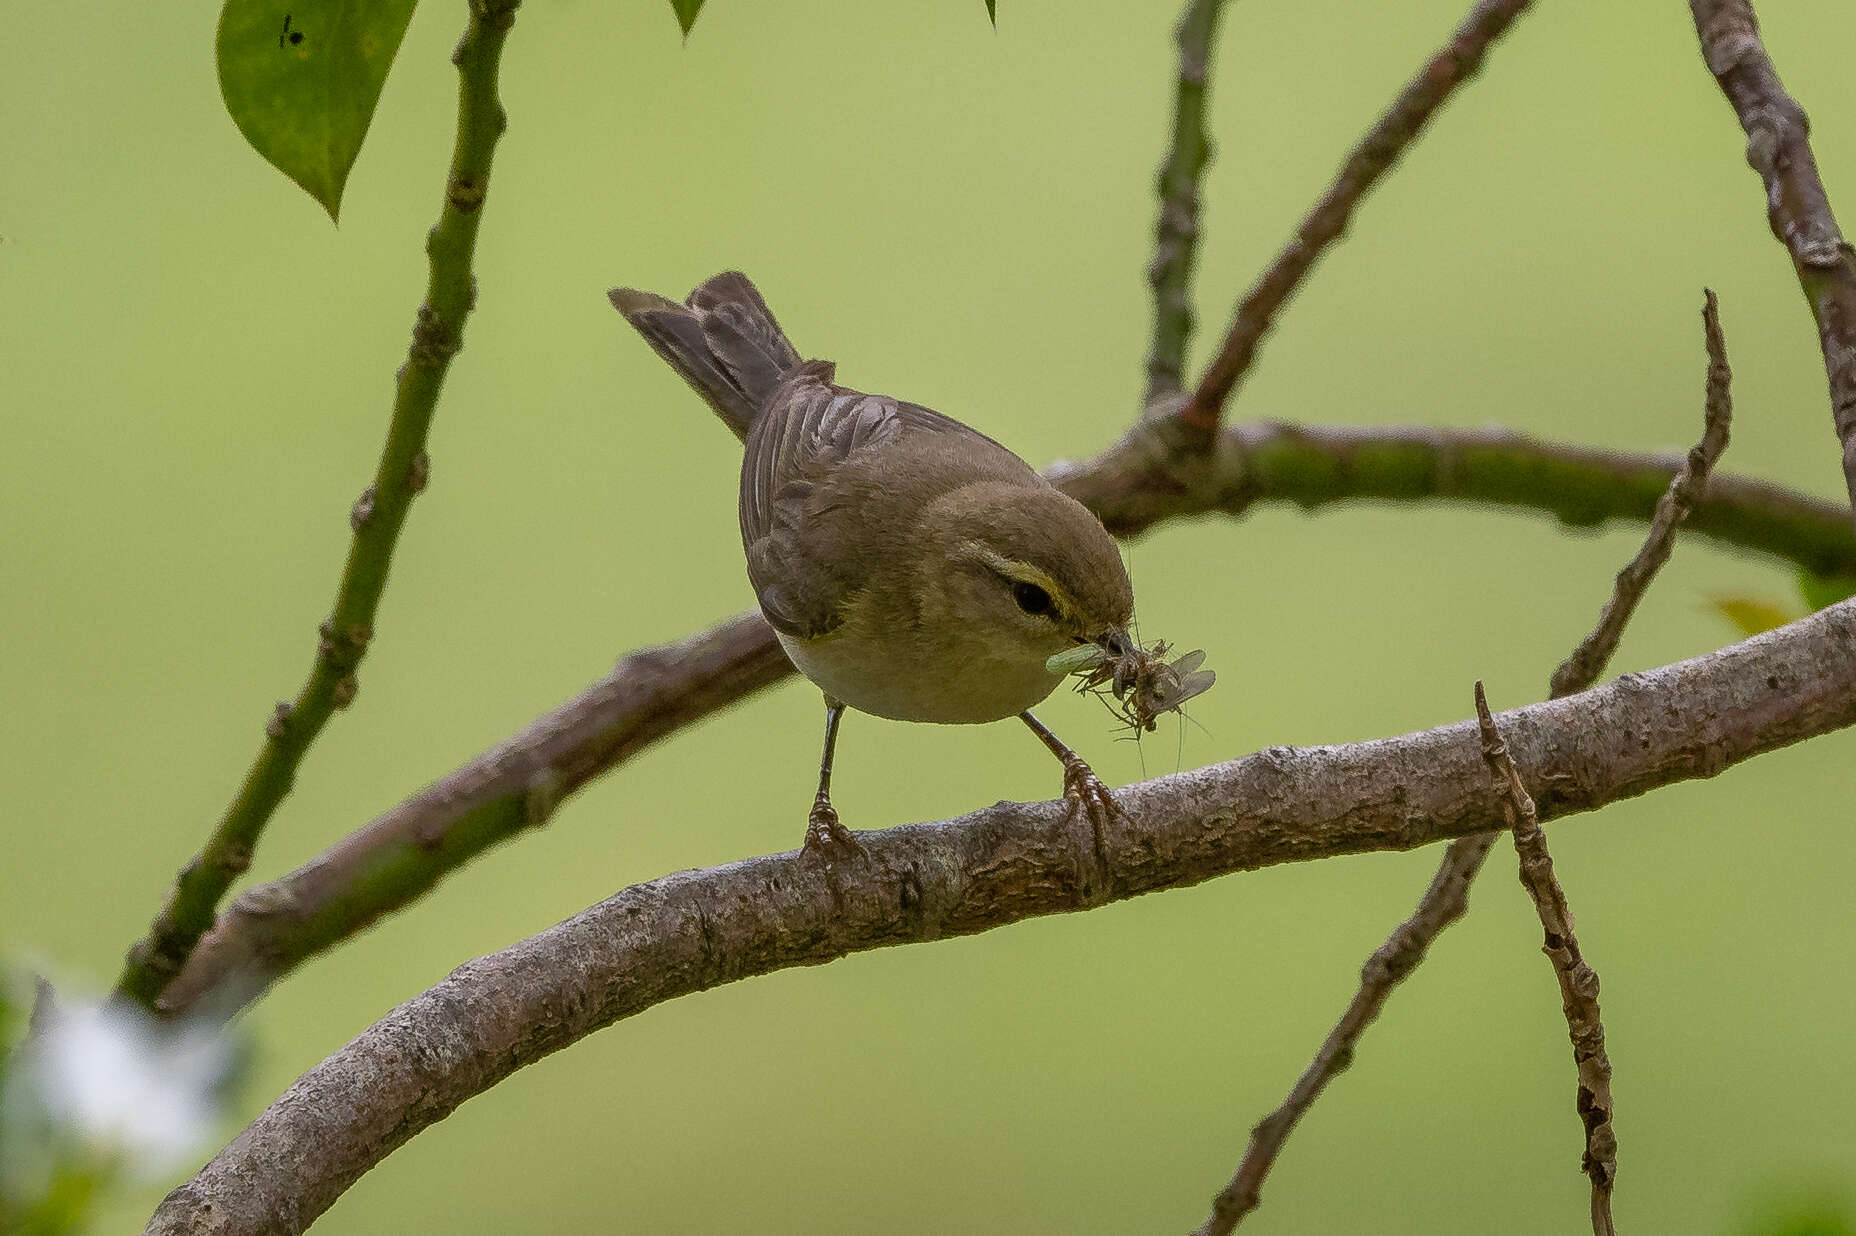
[[912, 567]]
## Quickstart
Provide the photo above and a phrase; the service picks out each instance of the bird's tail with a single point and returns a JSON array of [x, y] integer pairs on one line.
[[723, 340]]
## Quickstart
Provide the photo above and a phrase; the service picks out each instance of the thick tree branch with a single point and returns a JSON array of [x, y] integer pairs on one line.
[[377, 518], [1454, 64], [1778, 147], [1445, 901], [1578, 981], [1313, 466], [393, 860], [1176, 234], [514, 786], [695, 930]]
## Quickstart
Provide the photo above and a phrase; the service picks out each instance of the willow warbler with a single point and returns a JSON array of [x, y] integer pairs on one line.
[[912, 567]]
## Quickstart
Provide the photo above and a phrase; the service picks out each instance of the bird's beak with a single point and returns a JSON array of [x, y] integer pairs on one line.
[[1115, 642]]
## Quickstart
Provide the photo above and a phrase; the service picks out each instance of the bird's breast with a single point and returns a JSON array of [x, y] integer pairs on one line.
[[948, 684]]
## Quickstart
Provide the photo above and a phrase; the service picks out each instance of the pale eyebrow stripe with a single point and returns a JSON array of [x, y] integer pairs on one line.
[[1024, 572]]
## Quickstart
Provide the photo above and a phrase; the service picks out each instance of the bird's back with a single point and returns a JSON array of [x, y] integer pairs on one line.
[[822, 507]]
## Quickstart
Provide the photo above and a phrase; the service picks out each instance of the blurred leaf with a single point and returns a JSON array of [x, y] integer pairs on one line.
[[301, 78], [10, 1020], [1753, 614], [10, 1016], [1820, 591], [68, 1203], [686, 11], [992, 13], [1805, 1219]]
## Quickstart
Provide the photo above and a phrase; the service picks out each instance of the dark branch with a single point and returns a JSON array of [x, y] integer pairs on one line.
[[1447, 897], [387, 864], [695, 930], [1578, 981], [1454, 64], [1778, 147]]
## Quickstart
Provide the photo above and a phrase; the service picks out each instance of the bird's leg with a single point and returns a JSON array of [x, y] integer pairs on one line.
[[1081, 786], [823, 831]]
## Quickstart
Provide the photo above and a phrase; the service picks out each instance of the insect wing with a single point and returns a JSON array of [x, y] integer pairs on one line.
[[1194, 684], [1189, 662]]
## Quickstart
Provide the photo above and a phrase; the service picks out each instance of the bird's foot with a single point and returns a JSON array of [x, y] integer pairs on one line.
[[825, 835], [1084, 791]]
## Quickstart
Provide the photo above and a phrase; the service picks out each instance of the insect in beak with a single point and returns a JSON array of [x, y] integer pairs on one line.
[[1075, 660], [1142, 681], [1115, 643]]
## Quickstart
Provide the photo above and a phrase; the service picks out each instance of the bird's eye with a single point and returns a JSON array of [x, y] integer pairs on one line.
[[1031, 598]]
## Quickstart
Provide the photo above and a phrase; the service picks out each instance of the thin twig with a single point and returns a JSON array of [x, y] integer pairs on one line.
[[1443, 903], [1589, 659], [1578, 981], [376, 519], [1778, 147], [503, 792], [1447, 897], [1454, 64], [699, 929], [1176, 233], [387, 864]]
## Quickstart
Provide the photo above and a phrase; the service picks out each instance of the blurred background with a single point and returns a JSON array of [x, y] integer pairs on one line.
[[198, 371]]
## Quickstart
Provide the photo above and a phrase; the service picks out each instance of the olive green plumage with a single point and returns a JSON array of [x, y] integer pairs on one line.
[[912, 567]]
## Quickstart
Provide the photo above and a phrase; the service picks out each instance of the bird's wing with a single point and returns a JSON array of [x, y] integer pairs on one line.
[[807, 531]]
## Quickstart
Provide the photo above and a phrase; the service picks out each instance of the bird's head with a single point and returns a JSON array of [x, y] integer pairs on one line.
[[1028, 572]]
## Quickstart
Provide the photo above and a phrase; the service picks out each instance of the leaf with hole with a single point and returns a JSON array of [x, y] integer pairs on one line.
[[301, 78]]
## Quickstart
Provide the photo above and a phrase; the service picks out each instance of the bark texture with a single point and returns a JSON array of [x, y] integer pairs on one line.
[[698, 929]]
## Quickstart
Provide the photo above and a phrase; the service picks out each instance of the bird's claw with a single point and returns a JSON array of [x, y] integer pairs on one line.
[[825, 835], [1085, 791]]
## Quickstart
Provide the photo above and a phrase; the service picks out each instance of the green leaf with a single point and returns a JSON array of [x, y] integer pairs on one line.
[[992, 13], [301, 78], [686, 11], [1823, 591], [1753, 614]]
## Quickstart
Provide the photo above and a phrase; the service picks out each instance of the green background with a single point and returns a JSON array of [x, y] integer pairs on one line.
[[197, 375]]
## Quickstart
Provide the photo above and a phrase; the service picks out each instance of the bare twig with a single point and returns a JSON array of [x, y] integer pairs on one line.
[[1176, 234], [1589, 659], [1447, 897], [1454, 64], [387, 864], [1797, 208], [376, 519], [695, 930], [1578, 981], [1443, 903], [506, 790]]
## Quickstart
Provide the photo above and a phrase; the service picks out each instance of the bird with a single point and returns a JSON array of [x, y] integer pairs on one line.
[[912, 567]]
